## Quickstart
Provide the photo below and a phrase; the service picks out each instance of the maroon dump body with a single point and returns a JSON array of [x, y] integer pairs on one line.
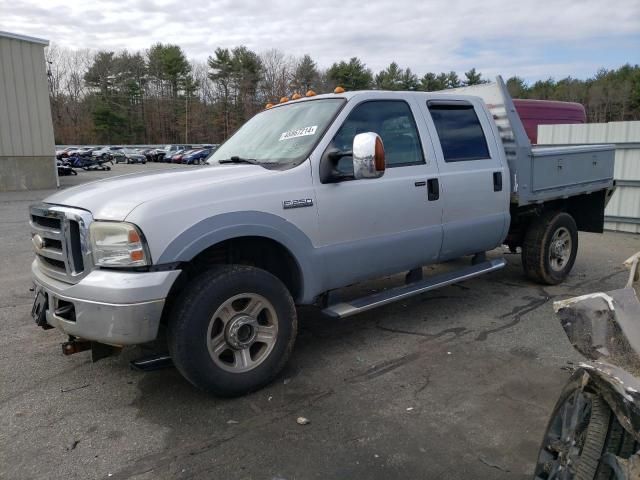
[[547, 112]]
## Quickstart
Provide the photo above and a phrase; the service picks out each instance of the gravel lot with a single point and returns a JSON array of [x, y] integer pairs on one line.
[[455, 383]]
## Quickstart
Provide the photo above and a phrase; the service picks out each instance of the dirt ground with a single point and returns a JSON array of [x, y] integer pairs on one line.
[[455, 383]]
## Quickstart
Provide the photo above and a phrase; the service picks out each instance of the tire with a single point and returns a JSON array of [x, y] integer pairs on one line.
[[207, 313], [550, 247], [619, 443], [584, 447]]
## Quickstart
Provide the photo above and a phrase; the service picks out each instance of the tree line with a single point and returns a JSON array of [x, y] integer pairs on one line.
[[160, 96]]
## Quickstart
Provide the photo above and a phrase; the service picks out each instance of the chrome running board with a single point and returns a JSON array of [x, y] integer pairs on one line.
[[359, 305]]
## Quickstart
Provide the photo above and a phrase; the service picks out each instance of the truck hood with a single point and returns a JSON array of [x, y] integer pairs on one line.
[[114, 198]]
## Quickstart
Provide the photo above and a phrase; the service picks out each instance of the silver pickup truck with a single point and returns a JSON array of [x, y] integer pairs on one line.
[[308, 197]]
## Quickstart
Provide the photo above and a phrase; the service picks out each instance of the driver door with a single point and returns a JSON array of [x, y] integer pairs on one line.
[[372, 227]]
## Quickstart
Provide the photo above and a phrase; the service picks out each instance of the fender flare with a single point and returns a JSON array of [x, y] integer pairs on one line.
[[226, 226]]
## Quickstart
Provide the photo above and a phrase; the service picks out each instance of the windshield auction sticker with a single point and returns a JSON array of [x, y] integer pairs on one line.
[[298, 132]]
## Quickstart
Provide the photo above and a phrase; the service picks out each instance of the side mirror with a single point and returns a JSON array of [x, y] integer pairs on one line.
[[368, 156]]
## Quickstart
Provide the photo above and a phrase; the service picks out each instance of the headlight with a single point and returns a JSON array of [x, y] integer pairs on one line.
[[118, 244]]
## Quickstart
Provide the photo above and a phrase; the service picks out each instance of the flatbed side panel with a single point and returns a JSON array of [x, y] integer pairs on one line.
[[566, 171]]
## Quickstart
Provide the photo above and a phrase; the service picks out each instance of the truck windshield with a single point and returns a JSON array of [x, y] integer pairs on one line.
[[281, 137]]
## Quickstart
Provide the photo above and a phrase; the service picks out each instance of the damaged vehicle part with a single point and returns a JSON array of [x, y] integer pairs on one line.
[[594, 430]]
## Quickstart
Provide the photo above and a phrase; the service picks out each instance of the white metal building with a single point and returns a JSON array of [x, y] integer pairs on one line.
[[27, 147], [623, 212]]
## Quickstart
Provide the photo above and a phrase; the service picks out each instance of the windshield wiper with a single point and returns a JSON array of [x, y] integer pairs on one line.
[[236, 159]]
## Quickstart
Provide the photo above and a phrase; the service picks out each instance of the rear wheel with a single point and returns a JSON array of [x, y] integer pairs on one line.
[[550, 247], [232, 330]]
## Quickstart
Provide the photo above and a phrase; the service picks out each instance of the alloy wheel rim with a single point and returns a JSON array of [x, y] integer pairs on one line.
[[242, 332], [560, 249], [565, 439]]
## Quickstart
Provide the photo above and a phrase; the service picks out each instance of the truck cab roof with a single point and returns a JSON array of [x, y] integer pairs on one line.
[[384, 93]]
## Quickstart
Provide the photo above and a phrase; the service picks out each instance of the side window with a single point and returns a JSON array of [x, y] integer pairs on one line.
[[393, 121], [459, 131]]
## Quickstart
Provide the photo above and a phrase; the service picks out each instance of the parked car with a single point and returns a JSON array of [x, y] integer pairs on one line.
[[308, 197], [177, 158], [594, 430], [133, 156], [64, 153], [78, 152], [170, 158], [148, 153], [106, 152], [165, 154], [196, 157]]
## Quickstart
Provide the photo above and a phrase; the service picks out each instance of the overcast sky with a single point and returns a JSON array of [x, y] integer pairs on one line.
[[530, 38]]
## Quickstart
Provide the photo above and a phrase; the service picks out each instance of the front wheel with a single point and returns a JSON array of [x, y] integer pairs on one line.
[[575, 439], [550, 247], [232, 330]]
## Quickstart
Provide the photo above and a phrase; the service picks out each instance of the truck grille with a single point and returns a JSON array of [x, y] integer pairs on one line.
[[60, 237]]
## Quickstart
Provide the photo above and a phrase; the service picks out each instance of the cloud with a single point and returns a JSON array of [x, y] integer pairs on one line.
[[531, 38]]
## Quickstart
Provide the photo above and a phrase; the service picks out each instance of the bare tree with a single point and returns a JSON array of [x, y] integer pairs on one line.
[[277, 75]]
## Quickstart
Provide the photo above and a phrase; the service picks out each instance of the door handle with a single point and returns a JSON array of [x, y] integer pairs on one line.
[[433, 189], [497, 181]]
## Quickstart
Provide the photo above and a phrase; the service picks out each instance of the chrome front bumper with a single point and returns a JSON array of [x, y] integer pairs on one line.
[[116, 308]]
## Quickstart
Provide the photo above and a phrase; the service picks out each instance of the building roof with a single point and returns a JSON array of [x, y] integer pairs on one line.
[[24, 38]]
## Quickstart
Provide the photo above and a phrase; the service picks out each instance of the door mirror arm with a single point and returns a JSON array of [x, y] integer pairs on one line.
[[329, 172]]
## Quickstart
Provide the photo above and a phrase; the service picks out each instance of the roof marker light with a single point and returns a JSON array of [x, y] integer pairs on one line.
[[284, 99], [296, 96], [338, 90], [310, 93]]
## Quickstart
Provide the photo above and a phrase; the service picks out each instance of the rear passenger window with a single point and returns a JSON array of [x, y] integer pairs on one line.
[[459, 131]]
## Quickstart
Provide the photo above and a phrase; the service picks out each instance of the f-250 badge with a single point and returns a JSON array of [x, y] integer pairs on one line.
[[303, 202]]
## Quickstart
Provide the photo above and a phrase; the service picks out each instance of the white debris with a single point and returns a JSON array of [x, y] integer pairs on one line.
[[232, 422], [560, 304], [303, 421], [409, 409]]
